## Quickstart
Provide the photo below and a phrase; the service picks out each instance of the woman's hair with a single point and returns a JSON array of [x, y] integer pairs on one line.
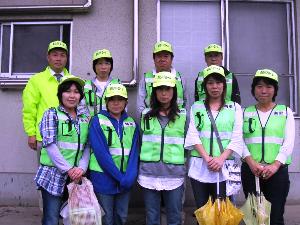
[[110, 60], [66, 86], [155, 105], [216, 77], [267, 81]]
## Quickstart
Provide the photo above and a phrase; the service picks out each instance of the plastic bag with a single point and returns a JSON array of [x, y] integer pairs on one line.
[[84, 208], [233, 182]]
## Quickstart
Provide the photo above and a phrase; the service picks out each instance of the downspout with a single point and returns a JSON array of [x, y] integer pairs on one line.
[[133, 80]]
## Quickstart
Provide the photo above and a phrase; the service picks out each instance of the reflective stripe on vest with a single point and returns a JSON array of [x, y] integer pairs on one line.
[[163, 144], [224, 122], [94, 102], [148, 88], [201, 92], [67, 139], [119, 149], [264, 143]]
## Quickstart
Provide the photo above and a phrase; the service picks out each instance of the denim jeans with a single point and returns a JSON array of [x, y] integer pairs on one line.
[[51, 208], [115, 208], [173, 204]]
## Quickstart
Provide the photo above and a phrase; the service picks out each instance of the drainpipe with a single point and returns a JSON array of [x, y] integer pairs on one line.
[[133, 80]]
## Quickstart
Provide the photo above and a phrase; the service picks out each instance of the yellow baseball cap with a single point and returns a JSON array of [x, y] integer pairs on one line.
[[164, 79], [213, 69], [103, 53], [162, 46], [57, 44], [213, 48], [72, 78], [116, 90], [267, 73]]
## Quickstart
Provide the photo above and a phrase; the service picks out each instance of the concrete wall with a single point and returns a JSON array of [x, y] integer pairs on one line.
[[108, 24]]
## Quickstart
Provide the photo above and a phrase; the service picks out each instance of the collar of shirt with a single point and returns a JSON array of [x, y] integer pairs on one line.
[[52, 72], [173, 71], [79, 111]]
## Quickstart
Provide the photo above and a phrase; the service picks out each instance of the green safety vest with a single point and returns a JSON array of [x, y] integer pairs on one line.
[[264, 142], [68, 141], [94, 102], [224, 122], [201, 92], [119, 149], [149, 86], [164, 144]]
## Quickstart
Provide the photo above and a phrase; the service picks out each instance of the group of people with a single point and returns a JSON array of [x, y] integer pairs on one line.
[[82, 128]]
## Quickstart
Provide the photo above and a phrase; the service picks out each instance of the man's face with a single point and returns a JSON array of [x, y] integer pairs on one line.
[[214, 58], [57, 59], [163, 61]]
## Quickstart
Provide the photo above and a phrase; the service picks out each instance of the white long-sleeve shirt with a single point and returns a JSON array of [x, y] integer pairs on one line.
[[288, 144], [198, 169]]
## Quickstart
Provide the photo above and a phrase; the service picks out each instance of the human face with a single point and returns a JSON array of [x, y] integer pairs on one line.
[[264, 92], [214, 58], [214, 88], [163, 61], [71, 98], [164, 95], [116, 105], [103, 68], [57, 59]]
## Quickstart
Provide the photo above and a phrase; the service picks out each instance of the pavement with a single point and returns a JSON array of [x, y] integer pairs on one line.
[[32, 216]]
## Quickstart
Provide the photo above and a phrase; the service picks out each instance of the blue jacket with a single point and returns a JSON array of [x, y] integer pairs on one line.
[[112, 180]]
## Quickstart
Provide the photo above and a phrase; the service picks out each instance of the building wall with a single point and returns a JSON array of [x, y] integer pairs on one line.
[[108, 24]]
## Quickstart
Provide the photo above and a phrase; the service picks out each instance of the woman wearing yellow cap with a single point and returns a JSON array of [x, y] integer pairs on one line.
[[209, 155], [94, 90], [162, 169], [65, 153], [269, 133], [113, 165]]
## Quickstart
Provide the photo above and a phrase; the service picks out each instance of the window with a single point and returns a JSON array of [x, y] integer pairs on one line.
[[254, 35], [23, 47]]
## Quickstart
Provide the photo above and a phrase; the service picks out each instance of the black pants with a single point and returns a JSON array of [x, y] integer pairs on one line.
[[202, 191], [275, 190]]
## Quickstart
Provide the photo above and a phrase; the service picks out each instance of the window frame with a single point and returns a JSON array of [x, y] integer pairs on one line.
[[225, 32], [15, 77]]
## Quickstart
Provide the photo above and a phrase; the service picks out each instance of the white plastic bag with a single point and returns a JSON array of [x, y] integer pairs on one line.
[[233, 181], [84, 208]]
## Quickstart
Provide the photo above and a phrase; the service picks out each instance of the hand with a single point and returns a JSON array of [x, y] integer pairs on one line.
[[32, 142], [216, 164], [270, 170], [255, 167], [75, 173]]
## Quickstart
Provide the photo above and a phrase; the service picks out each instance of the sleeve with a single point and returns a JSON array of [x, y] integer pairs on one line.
[[192, 135], [196, 90], [132, 166], [48, 127], [100, 149], [185, 92], [140, 103], [235, 95], [84, 161], [57, 158], [236, 141], [31, 99], [288, 144]]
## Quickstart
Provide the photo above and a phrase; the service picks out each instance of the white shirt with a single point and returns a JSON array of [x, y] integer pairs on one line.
[[288, 144], [198, 169], [101, 85], [159, 183]]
